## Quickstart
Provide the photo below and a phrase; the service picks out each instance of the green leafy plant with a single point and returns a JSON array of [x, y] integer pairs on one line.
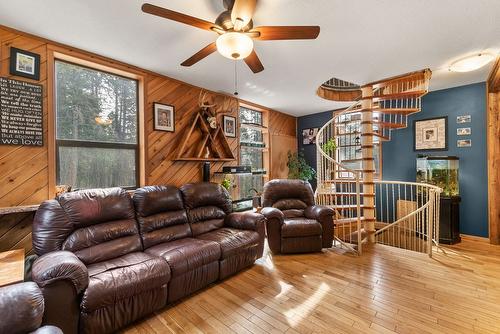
[[226, 183], [329, 147], [298, 167]]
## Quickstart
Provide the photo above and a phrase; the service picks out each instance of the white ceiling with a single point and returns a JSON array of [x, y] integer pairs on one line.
[[360, 41]]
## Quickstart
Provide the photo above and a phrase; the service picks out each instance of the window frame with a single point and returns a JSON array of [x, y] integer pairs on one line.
[[55, 57]]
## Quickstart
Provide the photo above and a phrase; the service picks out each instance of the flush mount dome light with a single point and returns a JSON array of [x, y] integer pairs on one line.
[[471, 63], [234, 45]]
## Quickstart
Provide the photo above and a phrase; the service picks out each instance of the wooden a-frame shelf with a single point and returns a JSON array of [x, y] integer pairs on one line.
[[203, 143]]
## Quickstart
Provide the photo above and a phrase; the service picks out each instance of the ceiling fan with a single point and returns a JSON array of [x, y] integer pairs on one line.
[[236, 32]]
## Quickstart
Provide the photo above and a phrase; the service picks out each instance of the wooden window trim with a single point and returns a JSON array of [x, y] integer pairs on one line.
[[55, 53]]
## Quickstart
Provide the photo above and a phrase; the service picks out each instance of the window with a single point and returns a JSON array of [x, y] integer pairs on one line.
[[96, 128], [252, 147], [251, 139]]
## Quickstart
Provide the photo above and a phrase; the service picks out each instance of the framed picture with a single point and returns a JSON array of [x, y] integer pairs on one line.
[[463, 119], [164, 117], [229, 123], [309, 136], [463, 132], [24, 64], [431, 134], [464, 143]]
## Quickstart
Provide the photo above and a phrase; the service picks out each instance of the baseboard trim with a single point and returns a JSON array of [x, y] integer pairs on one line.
[[474, 238]]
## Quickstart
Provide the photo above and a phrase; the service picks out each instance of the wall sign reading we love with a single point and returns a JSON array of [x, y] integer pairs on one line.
[[21, 113]]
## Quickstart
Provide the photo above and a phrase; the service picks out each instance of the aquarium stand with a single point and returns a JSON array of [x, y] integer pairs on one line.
[[449, 220]]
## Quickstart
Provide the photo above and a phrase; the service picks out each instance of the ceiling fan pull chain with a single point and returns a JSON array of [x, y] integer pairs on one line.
[[235, 79]]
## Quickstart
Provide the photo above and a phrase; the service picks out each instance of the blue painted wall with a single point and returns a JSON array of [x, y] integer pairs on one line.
[[399, 157], [306, 122]]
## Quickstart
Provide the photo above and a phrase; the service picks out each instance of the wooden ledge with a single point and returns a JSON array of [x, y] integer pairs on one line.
[[18, 209]]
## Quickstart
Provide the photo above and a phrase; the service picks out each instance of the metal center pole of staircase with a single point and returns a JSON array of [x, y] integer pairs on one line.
[[368, 165]]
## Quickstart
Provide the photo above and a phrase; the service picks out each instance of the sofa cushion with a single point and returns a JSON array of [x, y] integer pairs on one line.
[[231, 240], [207, 204], [186, 254], [113, 280], [300, 227], [161, 215]]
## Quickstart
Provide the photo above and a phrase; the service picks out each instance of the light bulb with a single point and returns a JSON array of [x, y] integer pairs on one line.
[[234, 45], [471, 63]]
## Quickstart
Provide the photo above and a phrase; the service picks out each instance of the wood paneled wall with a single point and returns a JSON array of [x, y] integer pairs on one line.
[[25, 171]]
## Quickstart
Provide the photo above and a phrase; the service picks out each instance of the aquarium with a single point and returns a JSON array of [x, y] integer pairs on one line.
[[439, 171], [242, 186]]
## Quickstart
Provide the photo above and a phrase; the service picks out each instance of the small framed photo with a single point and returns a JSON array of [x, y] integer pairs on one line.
[[164, 117], [463, 132], [431, 134], [464, 143], [309, 136], [24, 64], [463, 119], [229, 123]]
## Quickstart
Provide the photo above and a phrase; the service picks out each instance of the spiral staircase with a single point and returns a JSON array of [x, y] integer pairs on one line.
[[368, 209]]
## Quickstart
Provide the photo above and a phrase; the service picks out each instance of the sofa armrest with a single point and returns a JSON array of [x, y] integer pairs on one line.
[[60, 265], [324, 215], [21, 307], [245, 220], [249, 221]]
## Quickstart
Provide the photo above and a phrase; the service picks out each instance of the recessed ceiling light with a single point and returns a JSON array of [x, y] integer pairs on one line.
[[471, 63]]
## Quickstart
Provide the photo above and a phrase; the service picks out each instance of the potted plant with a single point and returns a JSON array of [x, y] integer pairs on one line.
[[298, 167]]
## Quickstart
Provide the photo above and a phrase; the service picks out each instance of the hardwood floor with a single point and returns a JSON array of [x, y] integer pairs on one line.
[[386, 290]]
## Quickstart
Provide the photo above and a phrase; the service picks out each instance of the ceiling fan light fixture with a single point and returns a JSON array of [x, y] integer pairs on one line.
[[234, 45], [471, 63]]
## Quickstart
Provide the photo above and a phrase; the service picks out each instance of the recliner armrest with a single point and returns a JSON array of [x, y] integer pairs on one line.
[[273, 213], [324, 215], [60, 265], [21, 307], [245, 221], [318, 212]]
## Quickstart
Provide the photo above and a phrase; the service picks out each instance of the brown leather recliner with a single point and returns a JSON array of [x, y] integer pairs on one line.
[[92, 271], [294, 223], [240, 234], [21, 310]]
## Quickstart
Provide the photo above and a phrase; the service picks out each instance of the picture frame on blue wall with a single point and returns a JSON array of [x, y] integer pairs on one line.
[[309, 136], [464, 119], [463, 132], [431, 134], [464, 143]]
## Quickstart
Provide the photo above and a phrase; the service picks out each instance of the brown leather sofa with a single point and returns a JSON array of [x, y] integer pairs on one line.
[[21, 310], [107, 260], [294, 223]]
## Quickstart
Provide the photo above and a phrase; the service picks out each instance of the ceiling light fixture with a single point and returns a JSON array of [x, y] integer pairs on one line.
[[471, 63], [234, 45]]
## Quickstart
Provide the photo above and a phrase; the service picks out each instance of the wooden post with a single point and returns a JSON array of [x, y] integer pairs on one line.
[[368, 165], [493, 133]]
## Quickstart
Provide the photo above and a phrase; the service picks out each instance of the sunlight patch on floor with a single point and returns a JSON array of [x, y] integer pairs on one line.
[[295, 315]]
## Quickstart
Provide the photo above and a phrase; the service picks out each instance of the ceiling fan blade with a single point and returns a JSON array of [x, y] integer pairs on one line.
[[254, 63], [179, 17], [242, 13], [206, 51], [268, 33]]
